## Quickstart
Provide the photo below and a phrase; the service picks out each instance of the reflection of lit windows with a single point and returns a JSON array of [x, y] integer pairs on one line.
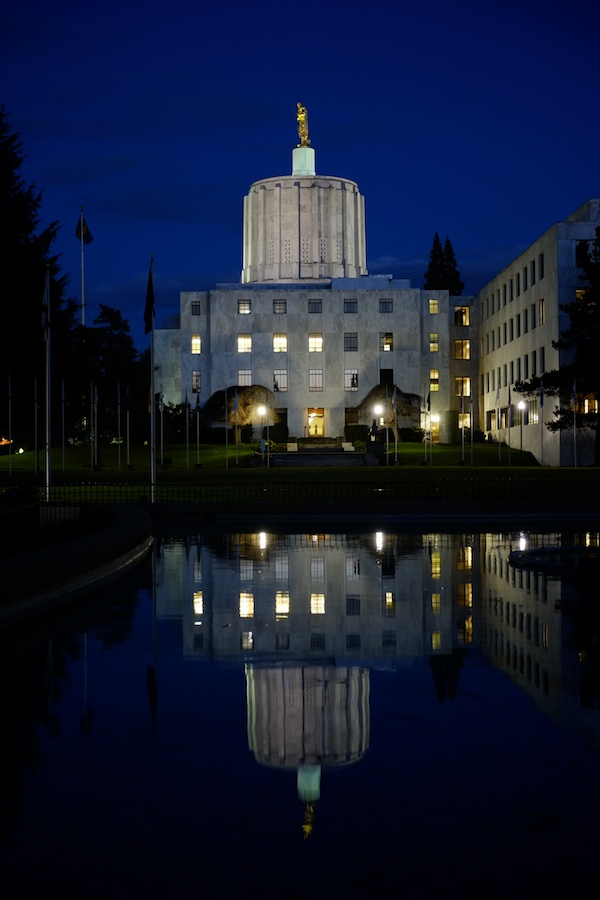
[[315, 343], [196, 343], [465, 558], [246, 605], [246, 569], [464, 594], [353, 605], [352, 641], [545, 636], [198, 604], [352, 568], [282, 604], [282, 568], [280, 343], [282, 641], [388, 638], [436, 564], [317, 642], [317, 568], [389, 603], [244, 343], [317, 604], [436, 604], [464, 631], [436, 640], [247, 640]]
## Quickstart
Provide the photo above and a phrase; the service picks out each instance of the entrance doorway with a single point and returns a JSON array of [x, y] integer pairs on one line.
[[316, 422]]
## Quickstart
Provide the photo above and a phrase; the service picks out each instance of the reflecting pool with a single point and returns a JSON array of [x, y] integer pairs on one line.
[[277, 715]]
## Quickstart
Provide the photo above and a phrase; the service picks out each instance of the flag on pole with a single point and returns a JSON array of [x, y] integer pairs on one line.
[[82, 232], [45, 313], [429, 402], [149, 310]]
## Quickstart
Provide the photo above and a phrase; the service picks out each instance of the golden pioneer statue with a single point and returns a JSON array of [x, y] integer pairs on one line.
[[302, 119]]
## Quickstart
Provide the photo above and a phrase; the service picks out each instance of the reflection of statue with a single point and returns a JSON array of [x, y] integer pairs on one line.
[[302, 118]]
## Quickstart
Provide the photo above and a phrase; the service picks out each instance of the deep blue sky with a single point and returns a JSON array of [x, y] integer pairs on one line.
[[478, 120]]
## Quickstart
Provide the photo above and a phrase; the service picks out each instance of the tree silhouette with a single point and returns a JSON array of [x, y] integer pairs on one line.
[[442, 273]]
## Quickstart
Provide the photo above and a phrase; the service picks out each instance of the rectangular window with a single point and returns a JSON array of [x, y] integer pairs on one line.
[[246, 605], [434, 306], [317, 568], [542, 360], [512, 372], [386, 306], [244, 377], [244, 307], [518, 325], [524, 278], [534, 362], [434, 342], [196, 308], [525, 366], [244, 343], [504, 375], [315, 343], [511, 331], [350, 306], [518, 368], [386, 341], [462, 387], [542, 309], [525, 322], [317, 604], [196, 383], [315, 379], [504, 333], [503, 295], [352, 605], [533, 316], [280, 380], [280, 343], [350, 379], [282, 604], [350, 341], [352, 568], [532, 272], [279, 306], [196, 343], [540, 266], [434, 379], [462, 349], [510, 291], [518, 285], [315, 306], [462, 315]]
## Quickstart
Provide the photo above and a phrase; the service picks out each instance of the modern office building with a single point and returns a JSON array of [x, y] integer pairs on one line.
[[311, 327]]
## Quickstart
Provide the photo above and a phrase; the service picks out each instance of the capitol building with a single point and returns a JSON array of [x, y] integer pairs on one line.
[[307, 323]]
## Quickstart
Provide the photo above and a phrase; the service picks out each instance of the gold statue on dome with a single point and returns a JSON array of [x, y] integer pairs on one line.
[[302, 119]]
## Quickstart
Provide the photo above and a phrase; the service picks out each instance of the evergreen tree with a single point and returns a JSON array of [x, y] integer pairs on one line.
[[442, 273], [454, 282], [579, 378]]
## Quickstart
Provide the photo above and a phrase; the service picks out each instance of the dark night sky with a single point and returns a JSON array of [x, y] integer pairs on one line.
[[476, 120]]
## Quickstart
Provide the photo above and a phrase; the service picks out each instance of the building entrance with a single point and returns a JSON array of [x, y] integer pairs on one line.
[[316, 422]]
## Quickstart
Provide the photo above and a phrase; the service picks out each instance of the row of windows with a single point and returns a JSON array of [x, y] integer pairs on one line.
[[386, 305], [317, 641], [513, 288], [317, 604], [315, 343], [516, 370], [513, 328]]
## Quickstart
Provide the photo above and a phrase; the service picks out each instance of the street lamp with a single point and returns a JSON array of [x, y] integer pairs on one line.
[[521, 406]]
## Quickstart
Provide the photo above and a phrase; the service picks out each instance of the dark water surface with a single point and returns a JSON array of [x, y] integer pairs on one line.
[[308, 716]]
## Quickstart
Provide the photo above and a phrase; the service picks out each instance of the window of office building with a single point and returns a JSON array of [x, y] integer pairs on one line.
[[196, 308], [350, 379], [315, 379], [244, 343], [386, 306], [533, 316], [244, 307], [462, 349], [540, 266], [350, 341], [315, 343], [246, 605], [434, 342], [280, 380], [524, 278], [525, 321], [317, 604], [542, 311], [352, 605], [462, 386], [279, 306], [244, 377], [386, 341], [280, 343], [350, 306], [196, 343], [315, 306], [196, 382], [434, 379], [282, 604], [517, 285], [434, 306], [532, 272], [462, 315]]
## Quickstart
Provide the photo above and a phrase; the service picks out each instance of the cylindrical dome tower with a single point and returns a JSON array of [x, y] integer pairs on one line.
[[303, 226]]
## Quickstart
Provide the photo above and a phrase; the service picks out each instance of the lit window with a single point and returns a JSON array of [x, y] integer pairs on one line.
[[279, 306], [436, 640], [317, 604], [350, 306], [462, 349], [434, 379], [315, 306], [244, 307], [350, 379], [198, 603], [436, 604], [434, 342], [196, 343], [280, 380], [244, 343], [386, 306], [465, 558], [542, 311], [465, 594], [389, 603], [350, 341], [434, 306], [386, 341], [464, 420], [246, 605], [462, 387], [315, 343], [282, 604], [244, 377], [315, 379], [436, 564], [247, 640], [280, 343], [461, 315]]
